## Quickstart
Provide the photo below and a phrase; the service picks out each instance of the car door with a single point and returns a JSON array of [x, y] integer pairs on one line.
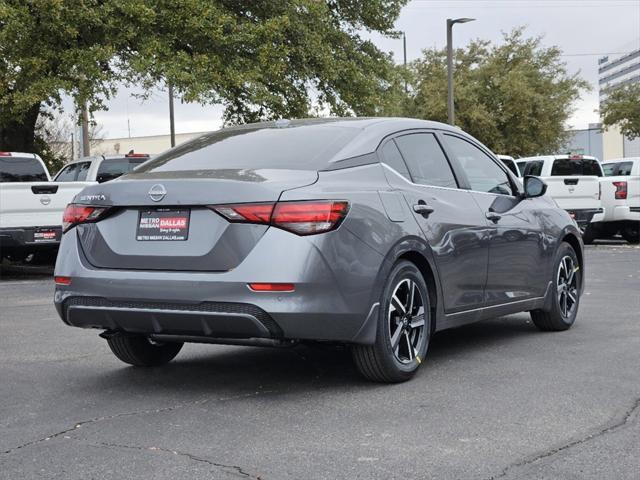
[[451, 222], [518, 251]]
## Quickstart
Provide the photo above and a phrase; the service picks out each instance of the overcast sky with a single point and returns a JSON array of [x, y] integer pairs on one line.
[[583, 29]]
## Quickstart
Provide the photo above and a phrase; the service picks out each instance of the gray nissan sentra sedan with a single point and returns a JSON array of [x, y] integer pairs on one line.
[[374, 233]]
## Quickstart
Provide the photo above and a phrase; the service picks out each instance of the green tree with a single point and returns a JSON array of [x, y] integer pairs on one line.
[[622, 108], [515, 97], [261, 59]]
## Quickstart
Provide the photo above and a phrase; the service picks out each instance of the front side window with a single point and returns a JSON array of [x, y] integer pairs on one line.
[[426, 160], [483, 172]]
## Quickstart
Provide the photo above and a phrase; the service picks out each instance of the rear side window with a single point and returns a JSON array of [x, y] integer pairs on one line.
[[617, 169], [533, 168], [425, 160], [567, 167], [111, 168], [391, 156], [301, 147], [20, 169]]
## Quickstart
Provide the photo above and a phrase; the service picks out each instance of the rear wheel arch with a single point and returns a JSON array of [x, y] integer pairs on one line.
[[572, 240], [419, 260], [418, 252]]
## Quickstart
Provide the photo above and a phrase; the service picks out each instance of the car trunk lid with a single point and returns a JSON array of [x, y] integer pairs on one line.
[[194, 237]]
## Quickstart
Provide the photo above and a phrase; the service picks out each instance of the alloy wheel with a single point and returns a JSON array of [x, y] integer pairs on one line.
[[567, 285], [406, 321]]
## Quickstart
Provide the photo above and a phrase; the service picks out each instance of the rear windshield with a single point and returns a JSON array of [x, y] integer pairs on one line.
[[111, 168], [566, 167], [20, 169], [304, 147], [617, 169]]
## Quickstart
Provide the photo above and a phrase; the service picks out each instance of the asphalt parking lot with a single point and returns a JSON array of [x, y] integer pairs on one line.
[[496, 399]]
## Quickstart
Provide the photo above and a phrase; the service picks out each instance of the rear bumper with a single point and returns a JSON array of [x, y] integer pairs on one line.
[[208, 319], [621, 213], [331, 301], [26, 238]]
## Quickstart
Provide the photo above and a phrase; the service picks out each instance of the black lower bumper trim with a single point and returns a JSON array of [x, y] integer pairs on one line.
[[206, 319], [30, 238], [584, 216]]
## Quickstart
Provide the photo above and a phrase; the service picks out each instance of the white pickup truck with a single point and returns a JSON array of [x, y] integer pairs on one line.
[[621, 199], [573, 182], [100, 168], [31, 206]]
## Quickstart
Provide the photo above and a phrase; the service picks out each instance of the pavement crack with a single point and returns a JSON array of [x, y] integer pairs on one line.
[[233, 469], [105, 418], [620, 423]]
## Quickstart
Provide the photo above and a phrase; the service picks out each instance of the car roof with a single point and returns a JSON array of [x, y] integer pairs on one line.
[[372, 130]]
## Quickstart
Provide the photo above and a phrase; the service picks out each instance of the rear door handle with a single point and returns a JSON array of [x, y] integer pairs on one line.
[[422, 208], [493, 216]]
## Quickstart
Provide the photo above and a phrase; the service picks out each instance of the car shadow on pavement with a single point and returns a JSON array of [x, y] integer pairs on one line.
[[236, 371]]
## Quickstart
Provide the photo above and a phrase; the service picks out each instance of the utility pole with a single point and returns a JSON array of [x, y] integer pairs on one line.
[[172, 126], [86, 147], [450, 24]]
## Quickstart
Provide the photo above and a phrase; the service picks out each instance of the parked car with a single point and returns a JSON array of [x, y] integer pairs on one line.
[[573, 182], [374, 233], [31, 206], [621, 199], [510, 163], [100, 168]]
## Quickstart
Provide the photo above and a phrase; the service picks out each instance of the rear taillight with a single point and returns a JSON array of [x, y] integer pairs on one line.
[[76, 214], [299, 217], [621, 190], [62, 280]]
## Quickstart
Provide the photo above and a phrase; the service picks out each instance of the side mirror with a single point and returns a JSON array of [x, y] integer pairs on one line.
[[534, 187]]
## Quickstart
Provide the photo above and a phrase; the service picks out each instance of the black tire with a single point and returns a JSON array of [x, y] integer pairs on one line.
[[631, 233], [138, 350], [563, 310], [382, 363], [589, 234]]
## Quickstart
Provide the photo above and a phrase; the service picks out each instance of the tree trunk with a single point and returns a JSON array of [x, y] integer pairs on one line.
[[19, 135]]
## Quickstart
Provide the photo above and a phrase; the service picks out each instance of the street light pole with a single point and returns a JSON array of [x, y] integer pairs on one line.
[[404, 50], [450, 24], [172, 125]]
